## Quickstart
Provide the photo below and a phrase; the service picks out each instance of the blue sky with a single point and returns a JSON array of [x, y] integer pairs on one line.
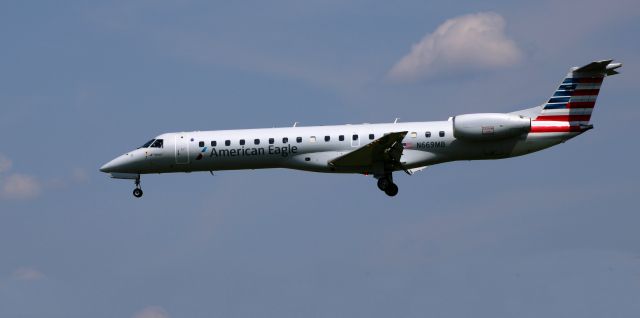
[[551, 234]]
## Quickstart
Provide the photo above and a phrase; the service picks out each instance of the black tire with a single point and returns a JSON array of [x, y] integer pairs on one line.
[[391, 190], [137, 192], [383, 183]]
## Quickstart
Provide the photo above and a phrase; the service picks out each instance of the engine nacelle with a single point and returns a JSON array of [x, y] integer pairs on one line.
[[490, 126]]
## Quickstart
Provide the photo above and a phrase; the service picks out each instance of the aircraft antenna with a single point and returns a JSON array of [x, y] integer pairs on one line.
[[396, 121]]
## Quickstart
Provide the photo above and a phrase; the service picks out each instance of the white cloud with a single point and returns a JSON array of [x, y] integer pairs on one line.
[[152, 312], [27, 273], [19, 186], [5, 163], [474, 41]]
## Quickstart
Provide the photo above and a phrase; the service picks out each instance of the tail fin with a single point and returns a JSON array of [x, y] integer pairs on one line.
[[570, 107]]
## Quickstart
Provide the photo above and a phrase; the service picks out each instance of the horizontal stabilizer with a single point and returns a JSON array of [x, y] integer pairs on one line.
[[599, 67], [594, 67], [611, 69]]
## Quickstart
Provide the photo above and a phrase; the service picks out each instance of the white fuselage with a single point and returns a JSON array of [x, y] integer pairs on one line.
[[311, 148], [377, 149]]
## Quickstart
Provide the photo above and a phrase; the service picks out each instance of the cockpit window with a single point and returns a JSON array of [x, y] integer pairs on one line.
[[147, 144], [153, 143], [157, 144]]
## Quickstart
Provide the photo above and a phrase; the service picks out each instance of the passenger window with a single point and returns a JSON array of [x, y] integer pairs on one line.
[[341, 137], [157, 144], [312, 138], [213, 143], [372, 137], [355, 137], [327, 138], [271, 140], [441, 133], [256, 141], [414, 134], [427, 134], [298, 139], [227, 142], [201, 144], [285, 140], [241, 142]]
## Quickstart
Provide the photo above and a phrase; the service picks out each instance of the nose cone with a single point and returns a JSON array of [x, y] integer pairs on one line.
[[111, 166], [107, 167], [119, 164]]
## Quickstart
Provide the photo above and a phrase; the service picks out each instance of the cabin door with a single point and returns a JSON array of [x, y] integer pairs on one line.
[[182, 149]]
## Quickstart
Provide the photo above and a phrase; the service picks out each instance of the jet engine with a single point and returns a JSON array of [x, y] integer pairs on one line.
[[490, 126]]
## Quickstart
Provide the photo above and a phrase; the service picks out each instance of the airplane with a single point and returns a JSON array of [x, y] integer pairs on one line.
[[378, 150]]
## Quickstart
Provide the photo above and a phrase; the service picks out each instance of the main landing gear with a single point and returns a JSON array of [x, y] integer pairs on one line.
[[137, 192], [386, 184]]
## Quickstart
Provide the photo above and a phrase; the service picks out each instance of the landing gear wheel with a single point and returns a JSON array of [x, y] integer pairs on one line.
[[391, 190], [137, 192], [383, 183]]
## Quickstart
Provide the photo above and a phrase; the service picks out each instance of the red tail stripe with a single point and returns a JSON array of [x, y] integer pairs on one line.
[[585, 92], [588, 80], [563, 118], [539, 129], [581, 104]]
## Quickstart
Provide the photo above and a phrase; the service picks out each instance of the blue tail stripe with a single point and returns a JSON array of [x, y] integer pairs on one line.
[[567, 87], [562, 93], [555, 106], [559, 99]]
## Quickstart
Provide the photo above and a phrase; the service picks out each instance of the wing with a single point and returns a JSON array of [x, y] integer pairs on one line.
[[387, 149]]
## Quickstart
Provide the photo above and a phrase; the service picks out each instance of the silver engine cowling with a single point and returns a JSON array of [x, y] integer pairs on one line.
[[490, 126]]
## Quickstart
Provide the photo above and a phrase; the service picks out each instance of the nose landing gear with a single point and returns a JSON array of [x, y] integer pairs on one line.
[[137, 192], [385, 183]]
